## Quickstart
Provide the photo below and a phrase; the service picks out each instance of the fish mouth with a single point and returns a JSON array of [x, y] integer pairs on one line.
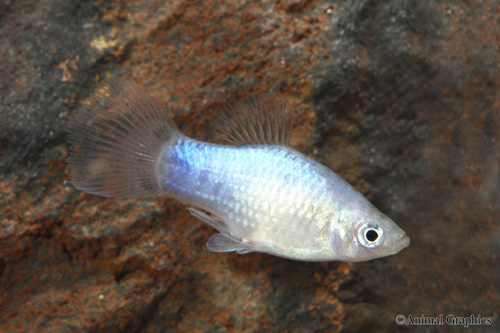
[[400, 244], [404, 242]]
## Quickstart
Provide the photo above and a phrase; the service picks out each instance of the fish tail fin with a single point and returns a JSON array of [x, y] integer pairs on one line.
[[116, 140]]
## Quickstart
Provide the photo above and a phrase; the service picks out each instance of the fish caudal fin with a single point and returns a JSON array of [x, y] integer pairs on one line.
[[116, 139]]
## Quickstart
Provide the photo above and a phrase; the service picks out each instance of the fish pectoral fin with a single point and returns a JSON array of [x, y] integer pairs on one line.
[[224, 243], [209, 219]]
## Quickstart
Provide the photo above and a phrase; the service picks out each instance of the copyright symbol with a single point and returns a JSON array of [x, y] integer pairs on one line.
[[400, 319]]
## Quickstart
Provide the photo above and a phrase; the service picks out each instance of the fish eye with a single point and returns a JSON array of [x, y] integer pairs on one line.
[[370, 235]]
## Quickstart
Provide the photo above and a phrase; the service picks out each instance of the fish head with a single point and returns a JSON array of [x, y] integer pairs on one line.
[[366, 234]]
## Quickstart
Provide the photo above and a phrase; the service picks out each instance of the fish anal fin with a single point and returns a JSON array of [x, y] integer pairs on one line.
[[257, 119], [209, 219], [224, 243]]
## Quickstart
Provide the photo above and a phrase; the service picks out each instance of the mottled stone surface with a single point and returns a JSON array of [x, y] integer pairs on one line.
[[399, 97]]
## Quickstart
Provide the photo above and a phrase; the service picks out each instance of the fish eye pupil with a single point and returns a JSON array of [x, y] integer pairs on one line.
[[371, 235]]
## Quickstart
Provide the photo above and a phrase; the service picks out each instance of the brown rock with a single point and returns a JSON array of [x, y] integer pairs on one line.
[[399, 97]]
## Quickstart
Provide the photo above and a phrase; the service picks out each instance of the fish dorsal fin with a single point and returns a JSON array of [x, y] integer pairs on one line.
[[225, 243], [257, 119]]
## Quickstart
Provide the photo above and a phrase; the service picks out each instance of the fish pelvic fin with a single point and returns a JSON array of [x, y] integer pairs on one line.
[[258, 119], [225, 243], [116, 139]]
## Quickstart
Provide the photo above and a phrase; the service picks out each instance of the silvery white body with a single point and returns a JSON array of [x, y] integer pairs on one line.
[[260, 194], [270, 197]]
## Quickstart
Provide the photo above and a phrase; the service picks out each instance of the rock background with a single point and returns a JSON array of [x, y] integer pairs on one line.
[[399, 97]]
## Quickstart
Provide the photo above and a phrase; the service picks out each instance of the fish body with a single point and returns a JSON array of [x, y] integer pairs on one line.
[[261, 195]]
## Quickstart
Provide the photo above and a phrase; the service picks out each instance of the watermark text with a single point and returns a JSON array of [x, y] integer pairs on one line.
[[451, 320]]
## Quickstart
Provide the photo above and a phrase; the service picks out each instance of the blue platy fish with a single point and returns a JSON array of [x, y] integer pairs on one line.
[[260, 194]]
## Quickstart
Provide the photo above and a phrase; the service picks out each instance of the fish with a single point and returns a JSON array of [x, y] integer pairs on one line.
[[255, 190]]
